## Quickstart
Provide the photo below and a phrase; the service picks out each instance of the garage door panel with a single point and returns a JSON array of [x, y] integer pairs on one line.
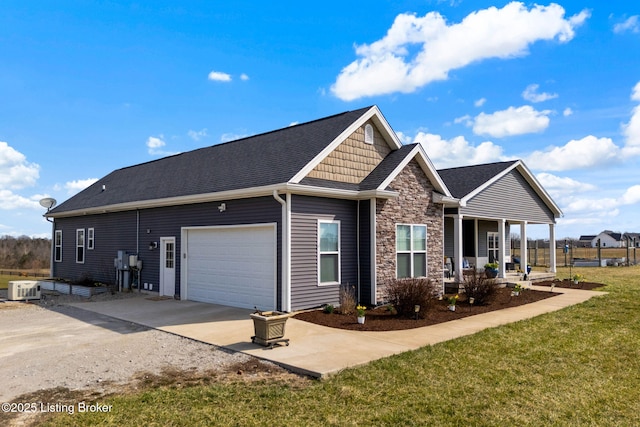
[[232, 266]]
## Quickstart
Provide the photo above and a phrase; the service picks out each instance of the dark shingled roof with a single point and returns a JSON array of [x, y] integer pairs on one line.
[[265, 159], [463, 180]]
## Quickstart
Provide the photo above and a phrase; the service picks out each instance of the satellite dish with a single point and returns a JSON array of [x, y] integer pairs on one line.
[[48, 202]]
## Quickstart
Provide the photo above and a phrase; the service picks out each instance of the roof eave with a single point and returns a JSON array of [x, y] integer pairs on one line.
[[230, 195]]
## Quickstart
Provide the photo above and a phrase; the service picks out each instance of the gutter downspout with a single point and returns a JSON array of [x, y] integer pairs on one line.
[[286, 250]]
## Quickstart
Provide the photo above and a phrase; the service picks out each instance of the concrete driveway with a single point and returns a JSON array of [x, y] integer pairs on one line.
[[314, 350]]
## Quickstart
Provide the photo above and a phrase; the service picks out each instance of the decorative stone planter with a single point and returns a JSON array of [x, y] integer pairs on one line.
[[269, 328]]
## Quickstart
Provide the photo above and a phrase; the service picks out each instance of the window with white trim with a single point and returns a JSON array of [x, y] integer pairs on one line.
[[411, 250], [493, 246], [57, 247], [90, 238], [328, 252], [80, 245], [368, 134]]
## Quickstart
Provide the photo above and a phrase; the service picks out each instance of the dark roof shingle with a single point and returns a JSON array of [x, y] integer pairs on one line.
[[269, 158], [463, 180]]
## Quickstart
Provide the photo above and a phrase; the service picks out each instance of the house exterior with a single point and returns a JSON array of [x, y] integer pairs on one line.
[[489, 202], [282, 219], [585, 240], [276, 221], [631, 240], [609, 239]]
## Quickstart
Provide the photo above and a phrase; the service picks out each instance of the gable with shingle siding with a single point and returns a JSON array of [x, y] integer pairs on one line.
[[353, 159]]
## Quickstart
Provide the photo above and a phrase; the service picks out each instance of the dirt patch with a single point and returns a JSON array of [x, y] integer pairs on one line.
[[381, 319]]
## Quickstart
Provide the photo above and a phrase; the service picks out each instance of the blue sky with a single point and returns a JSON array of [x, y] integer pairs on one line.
[[87, 87]]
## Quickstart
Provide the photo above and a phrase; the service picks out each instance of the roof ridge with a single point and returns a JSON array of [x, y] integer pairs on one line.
[[333, 116], [507, 162]]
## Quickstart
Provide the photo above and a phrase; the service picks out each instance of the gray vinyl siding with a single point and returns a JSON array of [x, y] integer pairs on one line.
[[305, 213], [117, 231], [448, 237], [112, 232], [510, 197], [365, 252]]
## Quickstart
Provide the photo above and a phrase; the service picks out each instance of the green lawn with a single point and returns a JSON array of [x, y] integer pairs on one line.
[[578, 366], [5, 279]]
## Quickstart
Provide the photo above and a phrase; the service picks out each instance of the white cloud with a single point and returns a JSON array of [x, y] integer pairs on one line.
[[218, 76], [559, 186], [226, 137], [456, 151], [575, 154], [567, 112], [480, 102], [78, 185], [631, 196], [15, 171], [244, 77], [388, 65], [631, 130], [512, 121], [10, 201], [531, 94], [631, 24], [197, 135], [155, 144]]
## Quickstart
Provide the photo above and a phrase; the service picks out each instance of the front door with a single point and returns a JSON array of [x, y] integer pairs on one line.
[[168, 266]]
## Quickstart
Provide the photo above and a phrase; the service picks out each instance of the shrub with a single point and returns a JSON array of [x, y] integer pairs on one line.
[[329, 308], [347, 299], [478, 286], [405, 294]]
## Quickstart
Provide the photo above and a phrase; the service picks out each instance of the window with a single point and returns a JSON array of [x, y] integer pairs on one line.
[[411, 250], [169, 255], [328, 252], [57, 248], [90, 235], [368, 134], [493, 246], [80, 245]]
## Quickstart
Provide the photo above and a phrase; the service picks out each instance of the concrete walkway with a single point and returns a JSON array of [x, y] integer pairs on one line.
[[314, 350]]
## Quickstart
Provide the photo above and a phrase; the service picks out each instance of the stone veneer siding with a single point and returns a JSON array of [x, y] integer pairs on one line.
[[353, 159], [413, 206]]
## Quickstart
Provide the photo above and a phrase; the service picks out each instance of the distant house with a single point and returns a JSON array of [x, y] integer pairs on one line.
[[632, 239], [586, 240], [608, 239]]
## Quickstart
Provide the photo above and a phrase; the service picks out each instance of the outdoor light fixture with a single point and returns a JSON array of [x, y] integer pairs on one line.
[[153, 245], [222, 207], [416, 309]]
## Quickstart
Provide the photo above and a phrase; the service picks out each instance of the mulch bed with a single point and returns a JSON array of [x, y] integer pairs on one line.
[[566, 283], [380, 319]]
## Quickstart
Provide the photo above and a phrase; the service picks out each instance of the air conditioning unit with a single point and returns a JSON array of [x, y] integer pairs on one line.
[[20, 290]]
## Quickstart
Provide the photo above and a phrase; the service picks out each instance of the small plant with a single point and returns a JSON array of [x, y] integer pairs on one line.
[[491, 265], [479, 287], [577, 278], [453, 300], [517, 287], [329, 308], [361, 310], [405, 294], [347, 298]]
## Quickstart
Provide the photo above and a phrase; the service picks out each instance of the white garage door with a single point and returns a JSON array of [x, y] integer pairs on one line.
[[233, 266]]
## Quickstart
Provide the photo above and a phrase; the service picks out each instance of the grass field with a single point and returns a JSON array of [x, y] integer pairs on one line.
[[577, 366], [6, 278]]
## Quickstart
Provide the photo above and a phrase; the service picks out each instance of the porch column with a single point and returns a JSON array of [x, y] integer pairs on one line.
[[457, 247], [501, 248], [552, 248], [523, 246]]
